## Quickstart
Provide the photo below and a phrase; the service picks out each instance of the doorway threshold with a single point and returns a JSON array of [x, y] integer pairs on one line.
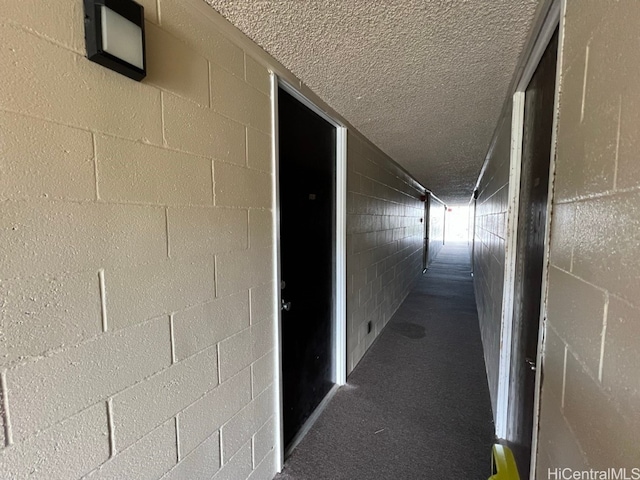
[[311, 420]]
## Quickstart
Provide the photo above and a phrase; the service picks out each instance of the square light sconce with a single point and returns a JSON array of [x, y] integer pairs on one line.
[[114, 36]]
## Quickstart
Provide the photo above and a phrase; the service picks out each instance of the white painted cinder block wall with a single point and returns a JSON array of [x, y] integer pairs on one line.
[[385, 241], [136, 243], [489, 249]]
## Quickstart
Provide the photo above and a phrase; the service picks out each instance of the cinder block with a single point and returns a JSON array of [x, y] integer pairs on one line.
[[201, 464], [201, 131], [259, 153], [119, 106], [580, 27], [172, 66], [44, 159], [612, 264], [203, 231], [39, 237], [264, 407], [147, 404], [235, 354], [47, 312], [264, 441], [242, 187], [262, 373], [204, 325], [139, 292], [241, 270], [596, 421], [63, 24], [234, 98], [261, 228], [63, 384], [256, 75], [628, 174], [266, 470], [135, 172], [262, 339], [553, 362], [622, 356], [201, 35], [237, 432], [147, 459], [576, 311], [201, 419], [68, 450], [262, 303], [239, 466], [556, 439]]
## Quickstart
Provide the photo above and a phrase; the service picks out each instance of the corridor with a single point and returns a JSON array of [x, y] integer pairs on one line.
[[417, 406]]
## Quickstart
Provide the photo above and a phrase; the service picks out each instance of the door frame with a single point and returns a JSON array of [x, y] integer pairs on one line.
[[339, 320], [505, 393]]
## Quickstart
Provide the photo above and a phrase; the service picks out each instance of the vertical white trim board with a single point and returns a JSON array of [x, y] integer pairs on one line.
[[506, 328], [277, 374]]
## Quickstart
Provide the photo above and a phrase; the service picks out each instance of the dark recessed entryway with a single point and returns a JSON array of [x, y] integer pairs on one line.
[[307, 178]]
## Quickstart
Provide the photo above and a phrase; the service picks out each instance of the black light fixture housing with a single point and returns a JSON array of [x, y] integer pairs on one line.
[[114, 36]]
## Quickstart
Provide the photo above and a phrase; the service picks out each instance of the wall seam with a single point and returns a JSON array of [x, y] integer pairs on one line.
[[111, 428], [8, 431], [103, 300], [603, 336]]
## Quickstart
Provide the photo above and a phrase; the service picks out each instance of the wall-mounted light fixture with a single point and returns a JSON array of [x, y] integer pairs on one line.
[[114, 36]]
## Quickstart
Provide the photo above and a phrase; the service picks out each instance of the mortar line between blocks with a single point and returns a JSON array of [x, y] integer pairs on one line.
[[615, 167], [172, 339], [103, 300], [95, 164], [564, 376], [584, 82], [166, 230], [8, 431], [177, 425], [112, 440], [603, 336]]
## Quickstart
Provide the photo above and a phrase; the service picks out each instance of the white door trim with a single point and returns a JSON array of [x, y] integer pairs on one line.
[[505, 395], [339, 360], [559, 12]]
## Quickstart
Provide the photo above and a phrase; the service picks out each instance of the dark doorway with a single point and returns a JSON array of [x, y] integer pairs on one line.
[[307, 179], [532, 221], [425, 250]]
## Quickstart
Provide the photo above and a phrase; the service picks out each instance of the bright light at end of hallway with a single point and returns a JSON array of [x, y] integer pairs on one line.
[[457, 224]]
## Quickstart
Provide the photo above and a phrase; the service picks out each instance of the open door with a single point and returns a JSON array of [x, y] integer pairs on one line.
[[425, 250], [307, 190], [529, 266]]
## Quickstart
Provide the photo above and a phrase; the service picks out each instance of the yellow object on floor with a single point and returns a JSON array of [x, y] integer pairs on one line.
[[503, 464]]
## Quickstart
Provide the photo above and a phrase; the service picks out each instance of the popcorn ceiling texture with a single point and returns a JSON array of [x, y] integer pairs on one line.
[[425, 81]]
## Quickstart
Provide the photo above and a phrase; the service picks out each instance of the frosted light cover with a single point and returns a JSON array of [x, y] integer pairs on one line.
[[121, 38]]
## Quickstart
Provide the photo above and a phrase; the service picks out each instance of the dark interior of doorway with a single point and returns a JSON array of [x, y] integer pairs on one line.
[[532, 221], [307, 179]]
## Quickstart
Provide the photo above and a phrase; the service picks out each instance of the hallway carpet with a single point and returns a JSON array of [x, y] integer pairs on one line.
[[417, 405]]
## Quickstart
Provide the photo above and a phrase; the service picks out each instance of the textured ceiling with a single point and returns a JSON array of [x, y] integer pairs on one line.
[[424, 80]]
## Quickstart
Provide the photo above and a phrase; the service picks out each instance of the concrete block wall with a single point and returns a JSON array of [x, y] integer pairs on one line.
[[136, 244], [489, 249], [590, 409], [385, 241]]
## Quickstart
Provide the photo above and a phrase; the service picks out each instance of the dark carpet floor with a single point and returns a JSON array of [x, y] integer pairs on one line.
[[417, 406]]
